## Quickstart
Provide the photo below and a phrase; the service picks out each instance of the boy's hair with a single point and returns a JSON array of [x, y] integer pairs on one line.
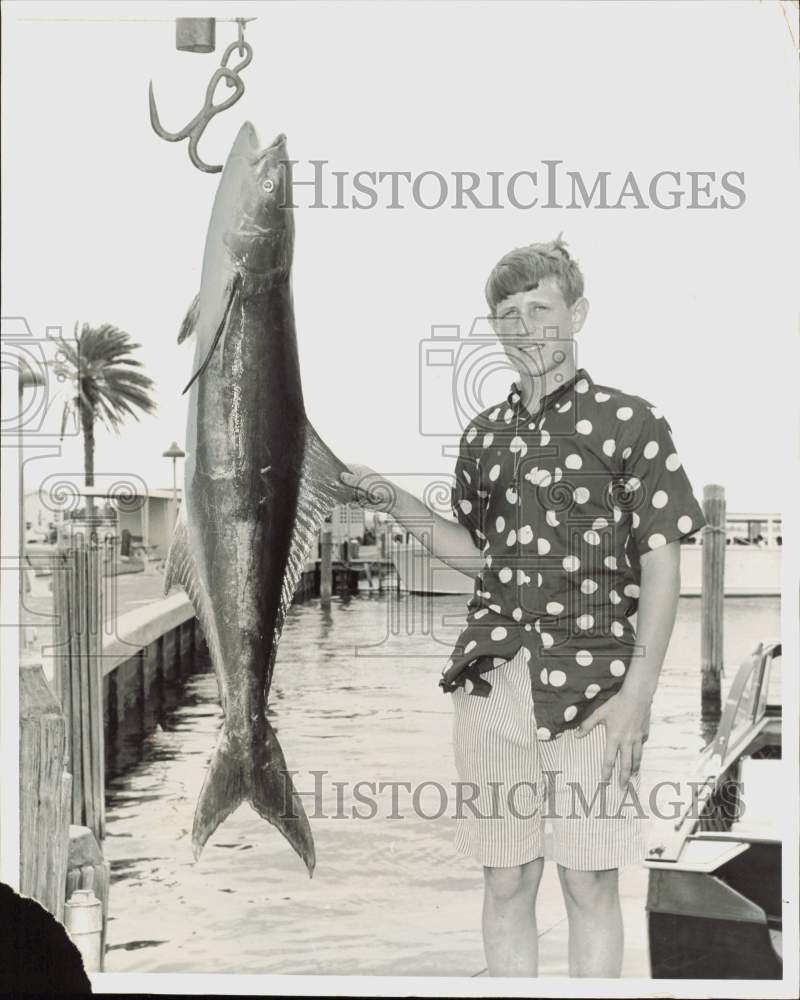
[[522, 269]]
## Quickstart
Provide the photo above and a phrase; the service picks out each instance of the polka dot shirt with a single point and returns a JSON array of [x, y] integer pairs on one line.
[[563, 504]]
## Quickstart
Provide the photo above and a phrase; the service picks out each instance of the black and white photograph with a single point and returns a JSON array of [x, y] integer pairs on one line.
[[400, 498]]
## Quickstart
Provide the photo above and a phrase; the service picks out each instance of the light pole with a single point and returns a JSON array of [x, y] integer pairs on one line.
[[174, 452]]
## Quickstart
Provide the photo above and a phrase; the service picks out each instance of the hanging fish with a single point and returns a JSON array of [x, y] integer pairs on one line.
[[259, 481]]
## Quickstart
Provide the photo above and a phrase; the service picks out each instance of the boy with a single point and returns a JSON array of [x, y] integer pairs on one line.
[[571, 502]]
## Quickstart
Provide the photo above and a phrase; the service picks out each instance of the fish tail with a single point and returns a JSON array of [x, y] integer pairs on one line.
[[257, 775]]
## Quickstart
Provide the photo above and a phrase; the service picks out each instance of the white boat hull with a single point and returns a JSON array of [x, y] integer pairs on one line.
[[750, 571]]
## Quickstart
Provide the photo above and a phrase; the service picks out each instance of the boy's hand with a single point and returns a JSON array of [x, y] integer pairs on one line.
[[627, 721], [372, 490]]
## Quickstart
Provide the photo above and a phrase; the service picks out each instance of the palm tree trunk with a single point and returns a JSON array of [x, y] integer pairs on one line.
[[87, 425]]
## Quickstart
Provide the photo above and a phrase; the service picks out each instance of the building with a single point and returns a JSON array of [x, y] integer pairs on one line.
[[149, 517], [347, 521]]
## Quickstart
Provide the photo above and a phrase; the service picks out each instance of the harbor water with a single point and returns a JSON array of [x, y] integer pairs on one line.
[[354, 699]]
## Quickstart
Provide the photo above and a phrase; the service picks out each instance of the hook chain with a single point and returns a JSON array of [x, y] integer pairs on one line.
[[194, 130]]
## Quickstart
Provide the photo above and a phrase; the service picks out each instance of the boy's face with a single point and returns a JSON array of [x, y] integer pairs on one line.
[[536, 328]]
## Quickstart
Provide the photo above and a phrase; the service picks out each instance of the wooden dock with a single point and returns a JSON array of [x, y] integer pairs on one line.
[[109, 692], [89, 723], [77, 730]]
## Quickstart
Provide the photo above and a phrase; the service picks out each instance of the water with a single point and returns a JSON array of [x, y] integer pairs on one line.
[[355, 695]]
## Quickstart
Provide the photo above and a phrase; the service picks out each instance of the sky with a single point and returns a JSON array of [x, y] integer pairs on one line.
[[694, 309]]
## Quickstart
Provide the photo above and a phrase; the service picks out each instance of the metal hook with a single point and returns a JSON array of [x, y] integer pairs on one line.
[[244, 50], [194, 130]]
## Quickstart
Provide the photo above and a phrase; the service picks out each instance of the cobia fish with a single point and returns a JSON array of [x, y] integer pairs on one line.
[[258, 481]]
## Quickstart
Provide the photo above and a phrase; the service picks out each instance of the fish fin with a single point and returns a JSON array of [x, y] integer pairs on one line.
[[256, 774], [320, 490], [326, 468], [190, 320], [175, 554], [180, 569], [232, 287]]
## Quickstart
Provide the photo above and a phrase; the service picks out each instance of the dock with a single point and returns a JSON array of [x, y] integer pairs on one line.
[[88, 708], [119, 658]]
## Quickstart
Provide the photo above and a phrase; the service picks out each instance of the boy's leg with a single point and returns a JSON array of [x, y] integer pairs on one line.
[[595, 921], [510, 937], [597, 829], [496, 754]]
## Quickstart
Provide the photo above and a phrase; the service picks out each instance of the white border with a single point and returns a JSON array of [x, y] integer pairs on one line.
[[201, 984]]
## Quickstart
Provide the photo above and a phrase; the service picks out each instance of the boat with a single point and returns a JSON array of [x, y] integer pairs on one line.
[[419, 572], [752, 562], [714, 900]]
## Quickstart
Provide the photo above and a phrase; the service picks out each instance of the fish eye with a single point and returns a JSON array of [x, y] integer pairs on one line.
[[268, 184]]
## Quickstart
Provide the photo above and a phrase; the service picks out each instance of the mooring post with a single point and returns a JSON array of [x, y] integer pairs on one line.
[[326, 566], [713, 601], [44, 792], [78, 626]]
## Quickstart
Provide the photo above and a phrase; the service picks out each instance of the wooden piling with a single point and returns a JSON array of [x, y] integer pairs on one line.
[[78, 627], [44, 792], [326, 566], [713, 601]]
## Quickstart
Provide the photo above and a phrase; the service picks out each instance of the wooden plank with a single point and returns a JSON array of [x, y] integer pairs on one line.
[[112, 724], [168, 655], [43, 814], [713, 601], [150, 699], [82, 664], [60, 633], [62, 845], [326, 571], [129, 733], [179, 661], [64, 659], [73, 648], [78, 598], [100, 708], [56, 681], [96, 691]]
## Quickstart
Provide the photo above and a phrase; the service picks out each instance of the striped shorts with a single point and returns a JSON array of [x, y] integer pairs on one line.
[[522, 799]]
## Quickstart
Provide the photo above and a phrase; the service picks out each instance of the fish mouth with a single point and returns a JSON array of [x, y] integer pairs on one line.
[[277, 143], [247, 144]]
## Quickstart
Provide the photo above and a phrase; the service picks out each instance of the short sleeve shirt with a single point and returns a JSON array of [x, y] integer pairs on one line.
[[563, 504]]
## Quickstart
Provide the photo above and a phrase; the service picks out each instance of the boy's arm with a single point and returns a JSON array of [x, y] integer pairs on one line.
[[664, 511], [627, 714], [658, 605], [448, 540]]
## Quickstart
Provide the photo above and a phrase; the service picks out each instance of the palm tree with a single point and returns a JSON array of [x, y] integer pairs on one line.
[[108, 385]]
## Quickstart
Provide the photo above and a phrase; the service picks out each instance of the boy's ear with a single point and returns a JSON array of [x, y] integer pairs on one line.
[[578, 312]]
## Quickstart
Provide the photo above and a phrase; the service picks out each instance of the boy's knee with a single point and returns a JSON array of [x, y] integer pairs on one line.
[[589, 889], [504, 884]]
